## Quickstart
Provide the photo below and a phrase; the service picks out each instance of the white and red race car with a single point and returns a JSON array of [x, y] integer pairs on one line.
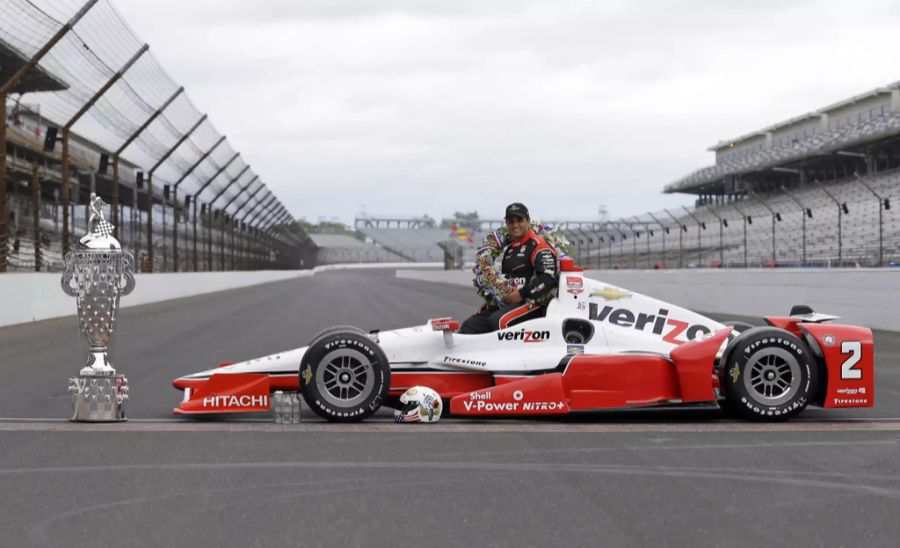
[[599, 347]]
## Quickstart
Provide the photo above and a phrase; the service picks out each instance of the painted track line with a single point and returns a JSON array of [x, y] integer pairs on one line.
[[258, 425]]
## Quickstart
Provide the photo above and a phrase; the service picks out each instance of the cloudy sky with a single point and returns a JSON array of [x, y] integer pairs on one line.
[[414, 107]]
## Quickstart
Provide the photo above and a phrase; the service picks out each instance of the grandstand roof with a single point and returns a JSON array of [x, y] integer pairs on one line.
[[809, 115], [35, 80], [865, 118]]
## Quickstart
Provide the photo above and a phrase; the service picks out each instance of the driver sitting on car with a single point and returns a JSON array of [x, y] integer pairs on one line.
[[529, 269]]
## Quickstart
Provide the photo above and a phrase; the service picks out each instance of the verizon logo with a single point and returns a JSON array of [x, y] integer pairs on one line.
[[526, 336], [660, 323]]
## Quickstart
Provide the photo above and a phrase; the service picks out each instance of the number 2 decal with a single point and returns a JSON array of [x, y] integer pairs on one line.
[[854, 348]]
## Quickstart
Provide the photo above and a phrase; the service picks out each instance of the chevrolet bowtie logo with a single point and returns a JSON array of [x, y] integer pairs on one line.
[[610, 293]]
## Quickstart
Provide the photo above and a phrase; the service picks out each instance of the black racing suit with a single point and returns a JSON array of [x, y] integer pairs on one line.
[[530, 265]]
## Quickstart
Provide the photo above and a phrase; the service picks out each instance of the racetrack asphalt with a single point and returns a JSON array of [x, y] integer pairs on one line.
[[830, 478]]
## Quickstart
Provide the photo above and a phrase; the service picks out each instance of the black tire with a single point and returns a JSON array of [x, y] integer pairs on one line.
[[726, 405], [344, 376], [769, 375], [335, 329], [739, 327]]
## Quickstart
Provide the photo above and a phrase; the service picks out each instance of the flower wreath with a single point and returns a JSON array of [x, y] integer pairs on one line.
[[493, 286]]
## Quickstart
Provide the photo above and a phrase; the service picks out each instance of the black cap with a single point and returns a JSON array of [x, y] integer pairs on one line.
[[516, 210]]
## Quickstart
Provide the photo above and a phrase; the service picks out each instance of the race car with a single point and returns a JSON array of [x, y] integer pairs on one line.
[[599, 347]]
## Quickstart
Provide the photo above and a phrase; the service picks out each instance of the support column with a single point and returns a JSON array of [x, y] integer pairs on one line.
[[175, 198], [115, 197], [4, 209], [197, 198], [5, 89], [126, 144], [66, 130], [36, 214], [64, 191]]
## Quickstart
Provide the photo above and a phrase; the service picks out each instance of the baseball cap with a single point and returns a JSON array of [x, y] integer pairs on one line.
[[516, 209]]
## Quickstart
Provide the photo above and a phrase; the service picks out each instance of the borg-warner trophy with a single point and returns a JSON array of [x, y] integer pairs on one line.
[[97, 272]]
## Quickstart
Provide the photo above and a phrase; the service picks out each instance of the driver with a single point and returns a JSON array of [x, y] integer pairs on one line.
[[529, 266]]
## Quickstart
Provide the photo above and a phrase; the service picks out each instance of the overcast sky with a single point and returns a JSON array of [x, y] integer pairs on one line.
[[414, 107]]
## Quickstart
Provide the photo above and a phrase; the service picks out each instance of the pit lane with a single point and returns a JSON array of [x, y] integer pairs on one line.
[[659, 477]]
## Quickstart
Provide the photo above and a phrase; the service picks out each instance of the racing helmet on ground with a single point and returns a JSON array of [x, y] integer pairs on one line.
[[419, 404]]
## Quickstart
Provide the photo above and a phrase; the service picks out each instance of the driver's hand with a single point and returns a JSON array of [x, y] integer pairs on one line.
[[513, 298], [481, 308]]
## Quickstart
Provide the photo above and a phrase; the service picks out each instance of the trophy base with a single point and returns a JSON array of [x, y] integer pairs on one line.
[[99, 397]]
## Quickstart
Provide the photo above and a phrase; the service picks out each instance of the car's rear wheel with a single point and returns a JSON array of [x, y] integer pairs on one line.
[[769, 375], [344, 376]]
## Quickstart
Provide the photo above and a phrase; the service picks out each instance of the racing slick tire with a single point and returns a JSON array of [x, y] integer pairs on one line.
[[725, 404], [739, 326], [335, 329], [769, 375], [344, 376]]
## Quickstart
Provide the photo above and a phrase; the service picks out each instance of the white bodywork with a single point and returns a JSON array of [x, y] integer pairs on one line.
[[623, 322]]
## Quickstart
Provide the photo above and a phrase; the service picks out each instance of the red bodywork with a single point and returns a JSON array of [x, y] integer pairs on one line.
[[617, 381], [845, 355], [847, 358]]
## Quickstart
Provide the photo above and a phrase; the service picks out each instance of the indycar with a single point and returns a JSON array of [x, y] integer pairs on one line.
[[599, 347]]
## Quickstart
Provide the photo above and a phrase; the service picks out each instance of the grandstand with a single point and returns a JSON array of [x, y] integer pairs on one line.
[[415, 239], [815, 190], [342, 249]]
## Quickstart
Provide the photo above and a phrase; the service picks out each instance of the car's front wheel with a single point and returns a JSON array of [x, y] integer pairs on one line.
[[344, 376], [770, 374]]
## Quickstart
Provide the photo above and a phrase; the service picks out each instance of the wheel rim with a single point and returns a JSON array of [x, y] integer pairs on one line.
[[345, 377], [772, 376]]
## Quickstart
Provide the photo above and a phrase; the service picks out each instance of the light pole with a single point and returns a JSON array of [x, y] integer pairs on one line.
[[775, 217], [647, 234], [681, 231], [665, 230], [722, 224], [883, 203], [700, 226], [842, 209], [747, 220]]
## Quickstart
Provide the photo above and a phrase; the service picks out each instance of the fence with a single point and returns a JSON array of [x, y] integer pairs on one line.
[[86, 108]]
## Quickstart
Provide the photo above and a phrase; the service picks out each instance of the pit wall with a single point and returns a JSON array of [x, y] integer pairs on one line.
[[864, 296], [28, 297]]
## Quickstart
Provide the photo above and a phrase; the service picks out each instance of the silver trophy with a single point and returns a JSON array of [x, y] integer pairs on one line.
[[97, 273]]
